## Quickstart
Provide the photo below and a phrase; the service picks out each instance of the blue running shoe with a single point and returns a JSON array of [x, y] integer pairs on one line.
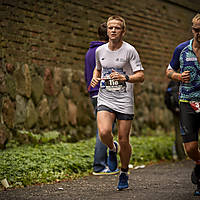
[[112, 158], [123, 181]]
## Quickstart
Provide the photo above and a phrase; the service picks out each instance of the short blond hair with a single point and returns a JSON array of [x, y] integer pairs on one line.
[[196, 18], [119, 18]]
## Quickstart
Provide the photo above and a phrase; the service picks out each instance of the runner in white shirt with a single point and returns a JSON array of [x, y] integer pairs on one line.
[[118, 66]]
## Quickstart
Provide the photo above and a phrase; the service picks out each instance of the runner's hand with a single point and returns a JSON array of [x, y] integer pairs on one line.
[[117, 76], [185, 77], [94, 81]]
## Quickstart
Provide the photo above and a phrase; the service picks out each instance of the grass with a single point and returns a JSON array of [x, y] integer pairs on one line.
[[35, 164]]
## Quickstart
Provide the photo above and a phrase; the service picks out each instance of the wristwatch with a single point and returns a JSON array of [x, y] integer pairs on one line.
[[127, 77]]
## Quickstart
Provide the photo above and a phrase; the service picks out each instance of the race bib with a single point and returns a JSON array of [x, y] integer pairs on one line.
[[112, 85], [195, 105]]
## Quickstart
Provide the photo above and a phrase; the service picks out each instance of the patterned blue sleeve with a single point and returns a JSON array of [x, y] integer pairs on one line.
[[175, 62]]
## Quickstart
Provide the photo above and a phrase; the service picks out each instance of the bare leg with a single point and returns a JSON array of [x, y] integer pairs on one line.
[[105, 121], [192, 150], [125, 147]]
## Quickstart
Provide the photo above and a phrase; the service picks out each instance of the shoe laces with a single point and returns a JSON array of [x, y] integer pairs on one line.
[[123, 177]]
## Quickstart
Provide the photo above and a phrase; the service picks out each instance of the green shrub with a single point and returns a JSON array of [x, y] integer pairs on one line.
[[151, 149], [32, 164]]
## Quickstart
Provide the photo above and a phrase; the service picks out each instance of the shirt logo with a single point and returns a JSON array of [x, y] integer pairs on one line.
[[122, 60], [191, 59]]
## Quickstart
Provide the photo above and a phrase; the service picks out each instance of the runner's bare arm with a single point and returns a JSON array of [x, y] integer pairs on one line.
[[138, 76], [183, 77], [96, 77]]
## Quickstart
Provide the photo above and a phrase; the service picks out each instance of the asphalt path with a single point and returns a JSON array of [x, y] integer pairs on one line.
[[166, 180]]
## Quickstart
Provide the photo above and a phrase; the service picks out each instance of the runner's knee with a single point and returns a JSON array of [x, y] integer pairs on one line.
[[104, 133], [191, 148], [123, 142]]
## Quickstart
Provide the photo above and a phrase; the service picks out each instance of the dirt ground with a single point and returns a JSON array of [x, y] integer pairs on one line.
[[168, 180]]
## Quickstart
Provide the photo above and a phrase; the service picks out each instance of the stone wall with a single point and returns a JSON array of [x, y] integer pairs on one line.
[[43, 44]]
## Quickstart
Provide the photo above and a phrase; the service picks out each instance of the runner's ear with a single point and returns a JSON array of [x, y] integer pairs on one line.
[[123, 33]]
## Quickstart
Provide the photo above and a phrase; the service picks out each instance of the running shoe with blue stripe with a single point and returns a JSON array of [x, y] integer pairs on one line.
[[112, 158], [123, 181]]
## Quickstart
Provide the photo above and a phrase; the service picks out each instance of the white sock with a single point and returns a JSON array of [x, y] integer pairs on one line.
[[124, 172]]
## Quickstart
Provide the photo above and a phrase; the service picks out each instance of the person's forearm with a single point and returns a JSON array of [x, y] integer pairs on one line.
[[174, 75], [183, 77], [96, 77], [96, 73], [138, 77]]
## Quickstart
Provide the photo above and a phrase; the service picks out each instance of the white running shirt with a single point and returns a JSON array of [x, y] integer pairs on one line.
[[114, 94]]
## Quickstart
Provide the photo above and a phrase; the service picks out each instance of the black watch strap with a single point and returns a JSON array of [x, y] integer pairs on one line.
[[127, 78]]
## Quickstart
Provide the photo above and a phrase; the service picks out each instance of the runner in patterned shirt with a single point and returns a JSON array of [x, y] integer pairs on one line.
[[185, 67]]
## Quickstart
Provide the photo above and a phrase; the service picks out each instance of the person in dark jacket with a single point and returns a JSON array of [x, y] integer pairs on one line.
[[100, 165], [172, 103]]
